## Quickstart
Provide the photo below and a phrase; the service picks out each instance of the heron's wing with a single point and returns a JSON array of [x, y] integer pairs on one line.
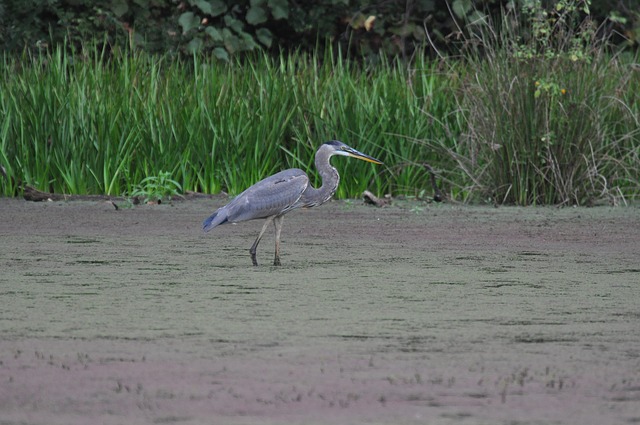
[[274, 195]]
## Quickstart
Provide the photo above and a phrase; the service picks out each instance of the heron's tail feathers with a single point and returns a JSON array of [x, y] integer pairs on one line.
[[217, 218]]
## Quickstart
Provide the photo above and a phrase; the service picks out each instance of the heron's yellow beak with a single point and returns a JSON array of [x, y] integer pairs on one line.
[[356, 154]]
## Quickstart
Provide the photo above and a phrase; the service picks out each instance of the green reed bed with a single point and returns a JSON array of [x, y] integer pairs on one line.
[[515, 122], [552, 115], [82, 124], [554, 132]]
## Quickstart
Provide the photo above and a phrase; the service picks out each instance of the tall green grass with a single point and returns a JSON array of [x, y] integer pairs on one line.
[[512, 122], [82, 124], [552, 115]]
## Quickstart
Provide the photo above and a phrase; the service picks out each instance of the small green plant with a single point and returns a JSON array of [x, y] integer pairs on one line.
[[554, 32], [549, 87], [157, 188], [417, 209]]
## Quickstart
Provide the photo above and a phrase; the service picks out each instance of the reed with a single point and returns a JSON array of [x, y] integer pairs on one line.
[[82, 124], [553, 118], [505, 126]]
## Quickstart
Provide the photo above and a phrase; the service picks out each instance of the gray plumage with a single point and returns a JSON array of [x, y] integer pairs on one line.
[[282, 192]]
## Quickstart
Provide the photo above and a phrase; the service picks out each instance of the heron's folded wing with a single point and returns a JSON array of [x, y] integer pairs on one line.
[[274, 195]]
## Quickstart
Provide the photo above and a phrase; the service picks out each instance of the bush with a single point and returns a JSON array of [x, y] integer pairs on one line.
[[362, 28], [553, 116]]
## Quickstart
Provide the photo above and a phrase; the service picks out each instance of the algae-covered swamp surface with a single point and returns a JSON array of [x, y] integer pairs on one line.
[[410, 314]]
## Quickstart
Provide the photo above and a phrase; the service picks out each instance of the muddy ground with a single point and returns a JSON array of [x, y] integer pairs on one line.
[[411, 314]]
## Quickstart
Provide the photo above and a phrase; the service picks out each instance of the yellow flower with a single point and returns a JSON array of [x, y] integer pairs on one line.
[[368, 24], [563, 91]]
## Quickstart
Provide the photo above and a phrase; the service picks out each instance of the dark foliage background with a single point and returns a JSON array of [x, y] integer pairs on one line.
[[225, 27]]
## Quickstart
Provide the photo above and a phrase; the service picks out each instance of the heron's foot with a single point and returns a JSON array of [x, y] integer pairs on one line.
[[254, 260], [276, 261]]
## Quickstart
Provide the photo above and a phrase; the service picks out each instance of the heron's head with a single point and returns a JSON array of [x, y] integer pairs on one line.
[[339, 148]]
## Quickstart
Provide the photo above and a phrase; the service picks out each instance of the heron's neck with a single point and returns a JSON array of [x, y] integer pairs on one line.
[[330, 180]]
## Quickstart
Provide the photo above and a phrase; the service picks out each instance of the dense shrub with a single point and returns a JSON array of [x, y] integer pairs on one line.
[[226, 27], [552, 113]]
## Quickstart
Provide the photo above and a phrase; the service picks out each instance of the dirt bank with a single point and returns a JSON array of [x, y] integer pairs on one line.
[[410, 314]]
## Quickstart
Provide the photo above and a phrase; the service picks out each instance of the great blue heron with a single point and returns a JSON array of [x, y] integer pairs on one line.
[[282, 192]]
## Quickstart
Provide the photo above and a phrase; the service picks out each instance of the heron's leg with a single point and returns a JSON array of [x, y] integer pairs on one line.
[[252, 251], [277, 222]]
